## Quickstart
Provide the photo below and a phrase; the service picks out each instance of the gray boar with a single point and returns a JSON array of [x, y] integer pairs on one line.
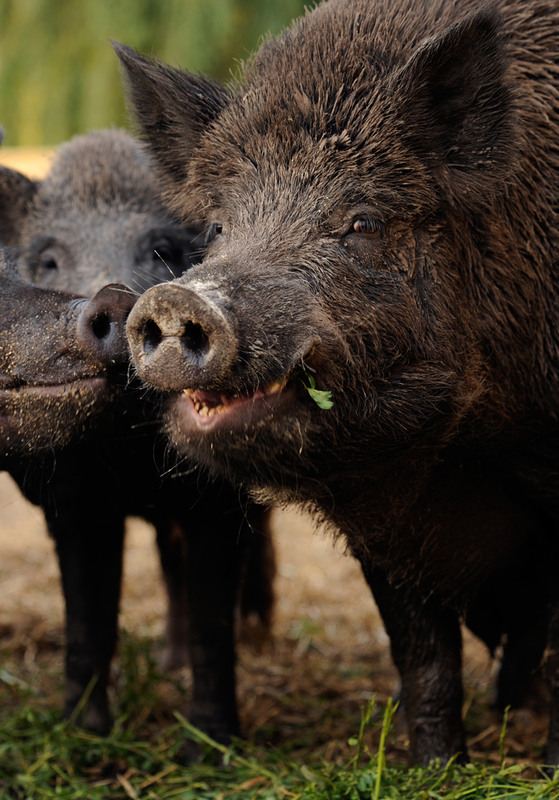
[[380, 196], [97, 217]]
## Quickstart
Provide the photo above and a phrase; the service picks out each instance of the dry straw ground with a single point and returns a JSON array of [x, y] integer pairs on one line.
[[304, 688]]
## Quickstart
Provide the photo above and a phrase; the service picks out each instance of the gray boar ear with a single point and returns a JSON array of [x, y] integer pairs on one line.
[[171, 107], [457, 104], [16, 195]]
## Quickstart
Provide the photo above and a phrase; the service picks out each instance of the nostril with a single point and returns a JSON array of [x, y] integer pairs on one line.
[[101, 325], [194, 341], [152, 336]]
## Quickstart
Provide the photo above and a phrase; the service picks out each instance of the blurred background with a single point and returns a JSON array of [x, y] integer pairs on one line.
[[59, 75]]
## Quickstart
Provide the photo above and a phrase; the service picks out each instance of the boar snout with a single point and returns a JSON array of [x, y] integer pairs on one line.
[[180, 339], [102, 323]]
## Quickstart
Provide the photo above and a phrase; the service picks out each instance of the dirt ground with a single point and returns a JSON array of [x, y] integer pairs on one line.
[[328, 654]]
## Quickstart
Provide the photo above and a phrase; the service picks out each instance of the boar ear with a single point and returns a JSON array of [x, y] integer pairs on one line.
[[172, 107], [457, 105], [16, 195]]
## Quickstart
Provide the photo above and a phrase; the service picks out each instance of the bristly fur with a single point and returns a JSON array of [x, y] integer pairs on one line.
[[438, 122]]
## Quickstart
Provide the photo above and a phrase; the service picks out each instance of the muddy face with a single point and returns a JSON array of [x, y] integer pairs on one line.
[[318, 301], [56, 356]]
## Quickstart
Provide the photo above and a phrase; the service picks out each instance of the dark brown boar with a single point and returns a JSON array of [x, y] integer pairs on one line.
[[380, 197], [97, 217]]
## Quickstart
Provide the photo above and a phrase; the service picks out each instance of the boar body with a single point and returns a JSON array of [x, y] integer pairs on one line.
[[95, 218], [380, 195]]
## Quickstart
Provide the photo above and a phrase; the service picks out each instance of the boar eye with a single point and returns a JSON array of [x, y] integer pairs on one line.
[[215, 230], [366, 225], [48, 262]]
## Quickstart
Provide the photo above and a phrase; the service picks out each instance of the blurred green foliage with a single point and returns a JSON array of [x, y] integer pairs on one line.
[[59, 75]]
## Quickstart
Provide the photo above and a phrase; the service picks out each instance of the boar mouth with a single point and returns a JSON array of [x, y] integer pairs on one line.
[[77, 386], [18, 389], [205, 411], [211, 410]]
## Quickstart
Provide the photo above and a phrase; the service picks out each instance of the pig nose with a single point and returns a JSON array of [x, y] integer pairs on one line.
[[179, 338], [102, 324]]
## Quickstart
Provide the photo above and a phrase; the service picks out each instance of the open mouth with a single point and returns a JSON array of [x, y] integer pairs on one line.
[[203, 411], [207, 411]]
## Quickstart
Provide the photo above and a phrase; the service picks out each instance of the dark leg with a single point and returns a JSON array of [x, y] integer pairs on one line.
[[171, 542], [523, 651], [501, 611], [215, 553], [552, 674], [89, 549], [212, 567], [217, 560], [257, 589], [426, 646], [256, 601]]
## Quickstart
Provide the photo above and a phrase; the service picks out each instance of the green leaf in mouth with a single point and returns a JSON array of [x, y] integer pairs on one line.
[[322, 397]]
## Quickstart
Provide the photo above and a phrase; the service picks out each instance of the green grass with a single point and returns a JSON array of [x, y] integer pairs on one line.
[[43, 757]]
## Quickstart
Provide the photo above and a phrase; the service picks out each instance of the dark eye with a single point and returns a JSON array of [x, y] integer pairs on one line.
[[48, 262], [48, 259], [366, 225], [215, 230]]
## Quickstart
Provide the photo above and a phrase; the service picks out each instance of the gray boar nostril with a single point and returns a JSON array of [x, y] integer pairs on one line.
[[194, 340], [101, 325], [152, 336]]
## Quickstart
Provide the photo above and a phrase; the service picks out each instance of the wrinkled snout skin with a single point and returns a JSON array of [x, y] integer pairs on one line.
[[191, 339], [56, 353], [374, 232]]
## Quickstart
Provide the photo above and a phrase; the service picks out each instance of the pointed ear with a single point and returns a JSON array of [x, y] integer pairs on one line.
[[16, 195], [171, 107], [458, 108]]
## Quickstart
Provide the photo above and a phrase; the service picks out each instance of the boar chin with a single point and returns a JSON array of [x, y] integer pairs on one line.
[[197, 420], [40, 416], [251, 432]]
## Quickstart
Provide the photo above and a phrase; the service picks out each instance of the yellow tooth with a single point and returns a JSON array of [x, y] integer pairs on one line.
[[219, 409], [204, 411], [188, 392], [197, 405], [212, 411]]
